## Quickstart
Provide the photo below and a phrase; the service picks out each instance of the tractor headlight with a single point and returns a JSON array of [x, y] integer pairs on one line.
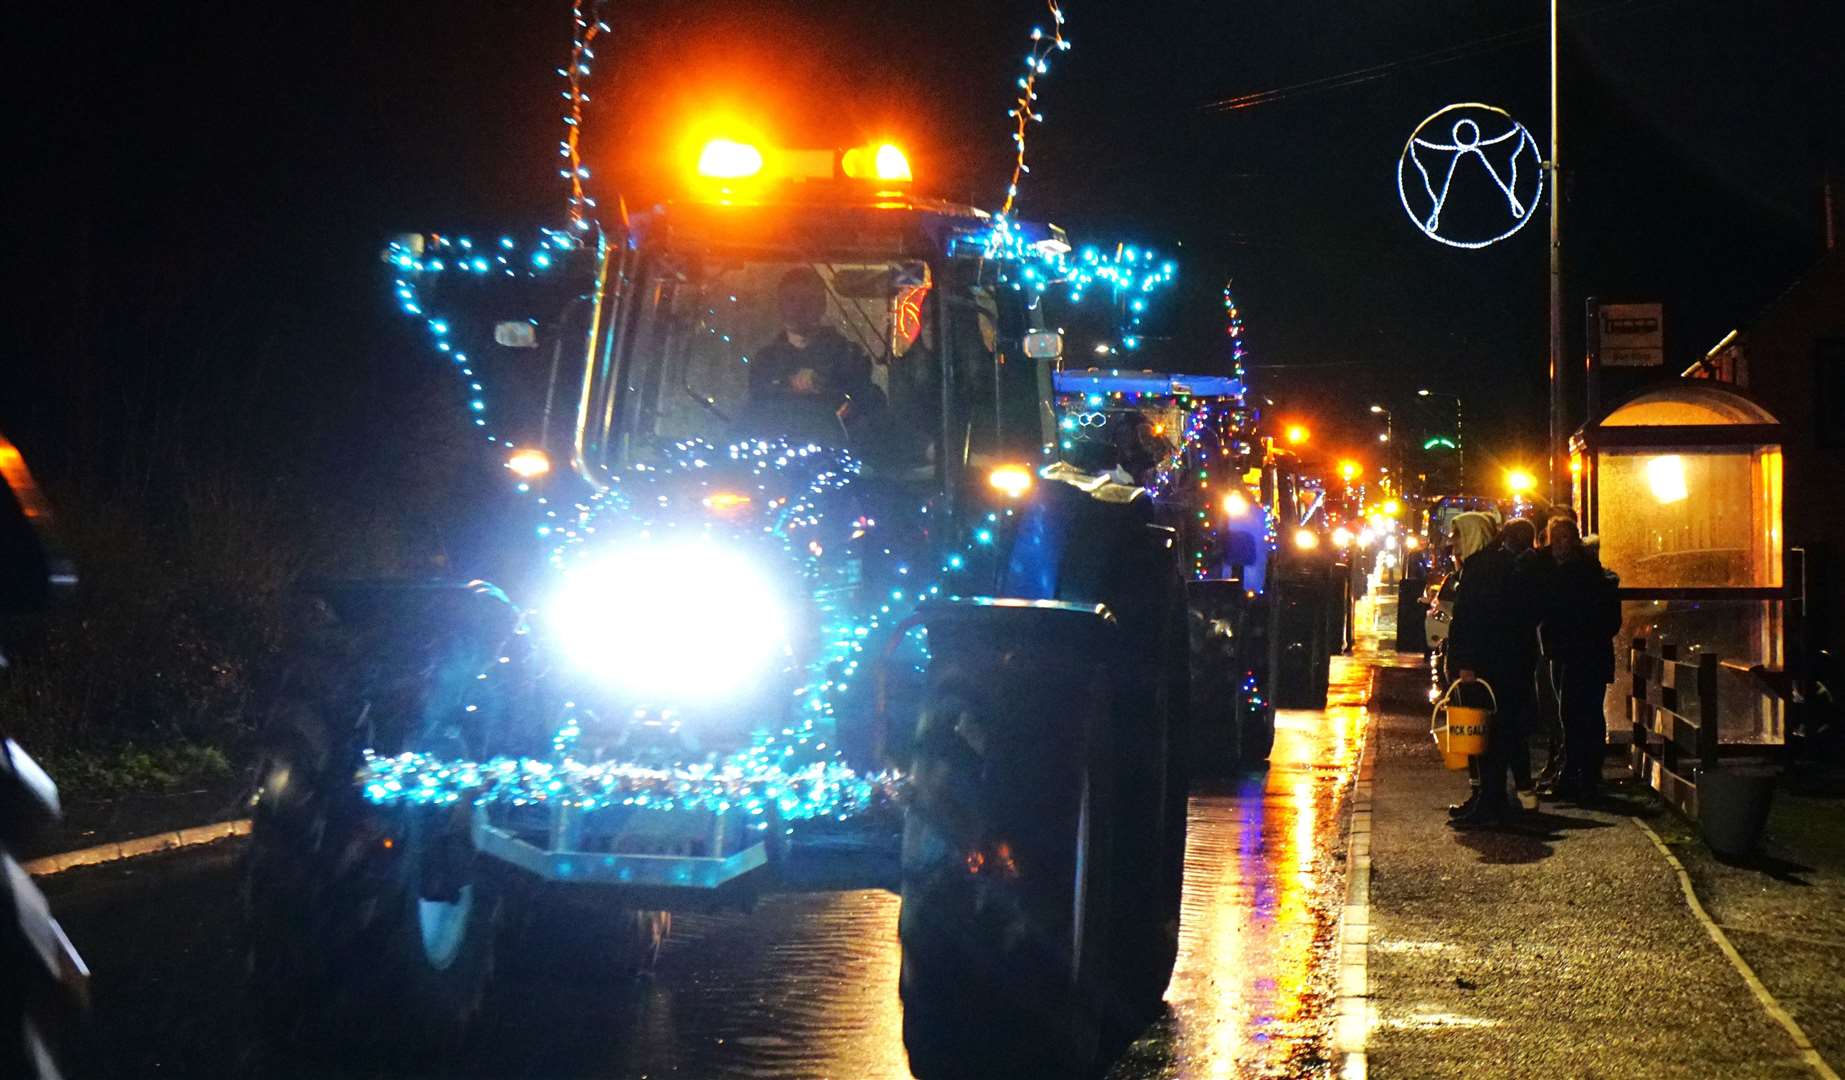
[[671, 621]]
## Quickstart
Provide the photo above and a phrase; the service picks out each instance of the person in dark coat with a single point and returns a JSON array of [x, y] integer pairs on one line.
[[809, 381], [1491, 640], [1582, 615]]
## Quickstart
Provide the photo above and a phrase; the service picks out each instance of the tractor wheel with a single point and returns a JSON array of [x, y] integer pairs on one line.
[[1005, 962], [1303, 659], [357, 943], [1152, 730], [372, 929], [1256, 717]]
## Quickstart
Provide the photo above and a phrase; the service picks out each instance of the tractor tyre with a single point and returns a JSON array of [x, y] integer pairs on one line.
[[353, 947], [371, 929], [1005, 963], [1152, 729]]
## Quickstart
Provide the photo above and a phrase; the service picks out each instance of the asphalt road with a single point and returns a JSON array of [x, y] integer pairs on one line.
[[805, 986]]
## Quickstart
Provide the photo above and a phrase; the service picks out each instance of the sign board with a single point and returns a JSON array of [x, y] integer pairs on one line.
[[1630, 335]]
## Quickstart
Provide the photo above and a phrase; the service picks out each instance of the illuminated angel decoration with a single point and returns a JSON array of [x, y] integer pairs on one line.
[[1431, 167]]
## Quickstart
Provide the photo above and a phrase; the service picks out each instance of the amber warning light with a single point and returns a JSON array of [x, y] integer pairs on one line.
[[725, 159]]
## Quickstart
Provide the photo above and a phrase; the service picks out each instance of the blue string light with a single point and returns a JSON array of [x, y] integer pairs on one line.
[[791, 775]]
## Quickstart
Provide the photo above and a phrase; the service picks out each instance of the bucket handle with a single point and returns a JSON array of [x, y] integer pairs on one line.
[[1443, 702]]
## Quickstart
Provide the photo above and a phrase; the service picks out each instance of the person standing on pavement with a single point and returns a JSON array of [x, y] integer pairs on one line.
[[1517, 538], [1485, 643], [1581, 616]]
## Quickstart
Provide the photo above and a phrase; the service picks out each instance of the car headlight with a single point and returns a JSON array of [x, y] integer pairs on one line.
[[670, 620]]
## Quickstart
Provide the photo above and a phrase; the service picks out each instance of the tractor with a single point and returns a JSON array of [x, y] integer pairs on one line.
[[1190, 439], [791, 591]]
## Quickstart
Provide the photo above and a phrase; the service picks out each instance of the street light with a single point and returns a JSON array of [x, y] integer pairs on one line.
[[1297, 434], [1460, 451], [1520, 482]]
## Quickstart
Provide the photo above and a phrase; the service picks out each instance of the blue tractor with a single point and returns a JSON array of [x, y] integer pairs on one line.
[[794, 590]]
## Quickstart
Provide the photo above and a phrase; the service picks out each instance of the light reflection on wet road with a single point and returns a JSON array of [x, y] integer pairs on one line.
[[1252, 994], [805, 986]]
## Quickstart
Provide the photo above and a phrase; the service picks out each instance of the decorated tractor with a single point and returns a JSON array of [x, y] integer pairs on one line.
[[795, 591], [1190, 441], [1308, 580]]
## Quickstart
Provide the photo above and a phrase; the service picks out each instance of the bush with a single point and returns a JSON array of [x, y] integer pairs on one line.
[[154, 679]]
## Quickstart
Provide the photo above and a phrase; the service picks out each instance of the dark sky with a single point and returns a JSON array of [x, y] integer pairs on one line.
[[212, 180]]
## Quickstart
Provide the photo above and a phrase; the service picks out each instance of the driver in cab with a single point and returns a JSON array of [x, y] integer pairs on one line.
[[809, 363]]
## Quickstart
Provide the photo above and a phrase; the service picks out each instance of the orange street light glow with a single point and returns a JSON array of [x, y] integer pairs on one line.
[[1350, 470], [1297, 434], [1520, 481]]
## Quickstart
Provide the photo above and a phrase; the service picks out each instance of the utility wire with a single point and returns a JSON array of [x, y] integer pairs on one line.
[[1447, 54]]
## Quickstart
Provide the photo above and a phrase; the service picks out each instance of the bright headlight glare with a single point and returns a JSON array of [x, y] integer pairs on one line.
[[1236, 504], [1306, 539], [671, 621]]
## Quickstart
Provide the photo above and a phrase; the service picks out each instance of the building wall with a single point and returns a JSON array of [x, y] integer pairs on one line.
[[1783, 353]]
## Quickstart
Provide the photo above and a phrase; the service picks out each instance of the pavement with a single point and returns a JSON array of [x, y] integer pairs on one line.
[[1561, 946], [1784, 907]]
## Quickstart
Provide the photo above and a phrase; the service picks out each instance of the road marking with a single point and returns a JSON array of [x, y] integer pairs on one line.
[[134, 849], [1354, 1016], [1769, 1004]]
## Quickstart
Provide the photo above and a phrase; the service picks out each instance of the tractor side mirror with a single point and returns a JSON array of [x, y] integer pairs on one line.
[[515, 335], [1044, 345]]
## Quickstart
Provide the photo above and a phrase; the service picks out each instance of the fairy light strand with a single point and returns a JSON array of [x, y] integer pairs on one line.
[[1024, 110], [586, 25]]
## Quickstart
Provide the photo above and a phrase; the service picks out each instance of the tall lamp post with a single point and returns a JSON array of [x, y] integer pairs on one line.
[[1556, 480], [1460, 444], [1389, 439]]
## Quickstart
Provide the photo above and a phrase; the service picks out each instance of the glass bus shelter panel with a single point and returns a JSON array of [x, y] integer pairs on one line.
[[1742, 633], [1696, 517]]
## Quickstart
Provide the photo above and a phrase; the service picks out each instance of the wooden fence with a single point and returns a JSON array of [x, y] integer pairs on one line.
[[1673, 710]]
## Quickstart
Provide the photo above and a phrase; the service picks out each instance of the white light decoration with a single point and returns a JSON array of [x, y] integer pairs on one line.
[[1481, 148]]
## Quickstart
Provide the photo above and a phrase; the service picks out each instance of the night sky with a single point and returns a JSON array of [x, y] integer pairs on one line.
[[210, 183]]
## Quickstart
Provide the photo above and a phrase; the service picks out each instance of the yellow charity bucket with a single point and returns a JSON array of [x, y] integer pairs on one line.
[[1460, 730]]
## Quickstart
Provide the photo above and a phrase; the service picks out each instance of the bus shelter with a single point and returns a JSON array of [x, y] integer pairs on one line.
[[1683, 485]]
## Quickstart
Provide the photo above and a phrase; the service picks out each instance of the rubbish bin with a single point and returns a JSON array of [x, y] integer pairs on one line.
[[1412, 635], [1733, 807]]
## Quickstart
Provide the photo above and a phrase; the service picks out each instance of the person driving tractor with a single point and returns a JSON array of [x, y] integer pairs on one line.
[[809, 358]]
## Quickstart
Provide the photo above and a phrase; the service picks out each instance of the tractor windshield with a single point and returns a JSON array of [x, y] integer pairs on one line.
[[837, 353]]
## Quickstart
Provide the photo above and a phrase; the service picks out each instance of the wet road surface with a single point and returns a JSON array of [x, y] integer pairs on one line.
[[806, 985]]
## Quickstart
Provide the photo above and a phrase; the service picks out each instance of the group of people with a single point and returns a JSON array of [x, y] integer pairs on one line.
[[1535, 617]]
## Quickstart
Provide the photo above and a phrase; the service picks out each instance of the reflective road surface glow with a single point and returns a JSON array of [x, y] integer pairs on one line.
[[806, 985]]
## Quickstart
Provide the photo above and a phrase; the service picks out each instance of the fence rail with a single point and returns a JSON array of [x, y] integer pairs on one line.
[[1673, 712]]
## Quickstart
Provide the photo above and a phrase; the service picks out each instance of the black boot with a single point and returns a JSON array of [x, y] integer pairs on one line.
[[1465, 806], [1486, 814]]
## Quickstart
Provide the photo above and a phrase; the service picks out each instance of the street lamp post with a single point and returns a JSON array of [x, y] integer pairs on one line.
[[1460, 444], [1554, 477], [1389, 439]]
